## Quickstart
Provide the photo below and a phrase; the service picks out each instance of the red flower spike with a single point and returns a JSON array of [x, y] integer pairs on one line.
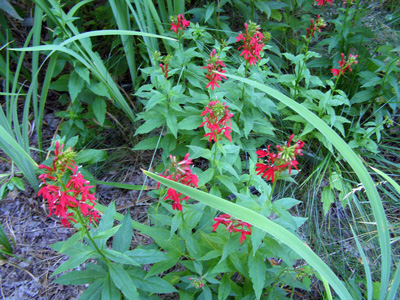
[[277, 163], [218, 121], [59, 201], [214, 64], [179, 23], [345, 64], [233, 225], [319, 23], [182, 173], [252, 43], [323, 2]]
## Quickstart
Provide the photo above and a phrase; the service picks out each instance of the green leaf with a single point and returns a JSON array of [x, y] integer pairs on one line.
[[146, 256], [209, 12], [123, 281], [224, 288], [18, 183], [75, 85], [123, 237], [211, 255], [82, 71], [327, 198], [79, 277], [149, 125], [7, 7], [91, 156], [263, 223], [93, 292], [71, 242], [119, 257], [107, 234], [257, 272], [160, 267], [190, 123], [74, 261], [99, 107], [172, 123], [151, 284], [147, 144], [99, 89], [107, 220], [109, 290], [205, 177]]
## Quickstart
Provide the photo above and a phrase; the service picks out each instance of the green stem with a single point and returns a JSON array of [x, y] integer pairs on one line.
[[272, 190], [214, 165]]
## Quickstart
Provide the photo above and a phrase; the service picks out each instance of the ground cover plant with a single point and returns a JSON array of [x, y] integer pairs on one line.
[[268, 132]]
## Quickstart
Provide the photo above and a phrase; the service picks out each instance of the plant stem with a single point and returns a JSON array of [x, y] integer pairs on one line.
[[272, 190]]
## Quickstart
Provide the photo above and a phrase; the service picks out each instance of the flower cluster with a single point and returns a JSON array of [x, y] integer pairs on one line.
[[179, 23], [276, 163], [345, 64], [323, 2], [214, 64], [252, 43], [217, 121], [64, 199], [233, 225], [319, 23], [182, 173], [197, 282]]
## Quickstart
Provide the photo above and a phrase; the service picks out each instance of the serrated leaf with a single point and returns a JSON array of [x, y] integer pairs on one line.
[[109, 290], [147, 144], [123, 237], [149, 125], [99, 89], [91, 156], [190, 123], [123, 281], [211, 255], [74, 261], [327, 198], [99, 107], [146, 256], [172, 123], [93, 292], [79, 277], [205, 177], [83, 72], [107, 234], [224, 288], [75, 85], [257, 272]]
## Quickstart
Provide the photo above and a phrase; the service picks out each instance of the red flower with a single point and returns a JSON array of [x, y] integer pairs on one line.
[[317, 26], [214, 64], [252, 43], [345, 64], [76, 191], [277, 163], [179, 23], [322, 2], [233, 225], [182, 173], [217, 121]]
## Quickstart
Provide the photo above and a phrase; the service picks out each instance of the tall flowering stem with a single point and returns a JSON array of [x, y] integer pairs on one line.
[[214, 64], [253, 43], [178, 25], [274, 164], [179, 171], [314, 26], [233, 225], [71, 200], [344, 64]]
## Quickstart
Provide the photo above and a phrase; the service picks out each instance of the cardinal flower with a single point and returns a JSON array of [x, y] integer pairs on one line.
[[218, 121], [67, 200], [323, 2], [214, 64], [252, 43], [179, 23], [275, 163], [233, 225], [345, 64], [182, 173]]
